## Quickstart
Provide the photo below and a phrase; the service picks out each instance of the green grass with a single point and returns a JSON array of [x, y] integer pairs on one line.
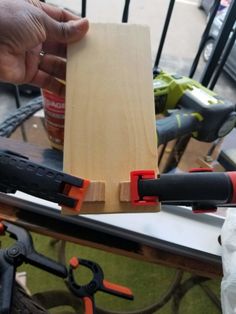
[[147, 281]]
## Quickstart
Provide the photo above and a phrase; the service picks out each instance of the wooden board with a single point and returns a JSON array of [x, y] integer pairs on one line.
[[110, 118]]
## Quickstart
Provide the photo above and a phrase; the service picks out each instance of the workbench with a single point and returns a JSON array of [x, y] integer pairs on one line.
[[175, 236]]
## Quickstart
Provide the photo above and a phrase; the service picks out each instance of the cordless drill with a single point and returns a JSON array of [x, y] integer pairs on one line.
[[190, 108]]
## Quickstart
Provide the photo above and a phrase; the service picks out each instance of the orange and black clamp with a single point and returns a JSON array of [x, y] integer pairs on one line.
[[21, 251], [201, 189], [98, 283], [18, 173]]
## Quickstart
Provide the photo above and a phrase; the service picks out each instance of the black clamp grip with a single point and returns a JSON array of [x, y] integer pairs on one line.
[[17, 172], [201, 189]]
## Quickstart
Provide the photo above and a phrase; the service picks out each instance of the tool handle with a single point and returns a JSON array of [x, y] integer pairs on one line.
[[179, 123], [7, 277], [47, 264], [28, 254], [117, 290], [215, 187], [89, 306]]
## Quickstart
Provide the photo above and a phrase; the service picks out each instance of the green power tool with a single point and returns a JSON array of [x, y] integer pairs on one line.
[[190, 108], [169, 88]]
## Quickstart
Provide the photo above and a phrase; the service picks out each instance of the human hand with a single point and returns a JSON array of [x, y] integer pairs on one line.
[[28, 27]]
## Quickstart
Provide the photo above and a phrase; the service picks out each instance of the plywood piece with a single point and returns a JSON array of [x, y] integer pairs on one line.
[[110, 118]]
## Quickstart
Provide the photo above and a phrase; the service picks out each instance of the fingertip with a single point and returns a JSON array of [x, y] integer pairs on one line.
[[81, 26], [66, 32]]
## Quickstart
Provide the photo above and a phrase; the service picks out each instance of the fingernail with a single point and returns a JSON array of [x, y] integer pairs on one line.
[[82, 25]]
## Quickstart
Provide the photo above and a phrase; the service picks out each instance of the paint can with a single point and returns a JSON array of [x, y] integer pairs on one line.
[[54, 111]]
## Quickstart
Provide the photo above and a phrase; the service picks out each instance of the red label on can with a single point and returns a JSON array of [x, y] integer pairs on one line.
[[54, 109]]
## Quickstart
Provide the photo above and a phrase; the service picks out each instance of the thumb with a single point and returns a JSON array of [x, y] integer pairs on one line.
[[65, 32]]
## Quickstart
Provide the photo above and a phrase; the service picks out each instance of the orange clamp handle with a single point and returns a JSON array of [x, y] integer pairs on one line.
[[118, 290], [88, 305]]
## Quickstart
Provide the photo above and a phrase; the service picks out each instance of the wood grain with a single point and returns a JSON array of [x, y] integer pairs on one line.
[[110, 118]]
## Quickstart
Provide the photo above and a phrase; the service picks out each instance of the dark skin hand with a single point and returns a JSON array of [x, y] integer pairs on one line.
[[26, 28]]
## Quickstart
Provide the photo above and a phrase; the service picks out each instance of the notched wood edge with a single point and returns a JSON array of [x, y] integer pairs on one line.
[[96, 192]]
